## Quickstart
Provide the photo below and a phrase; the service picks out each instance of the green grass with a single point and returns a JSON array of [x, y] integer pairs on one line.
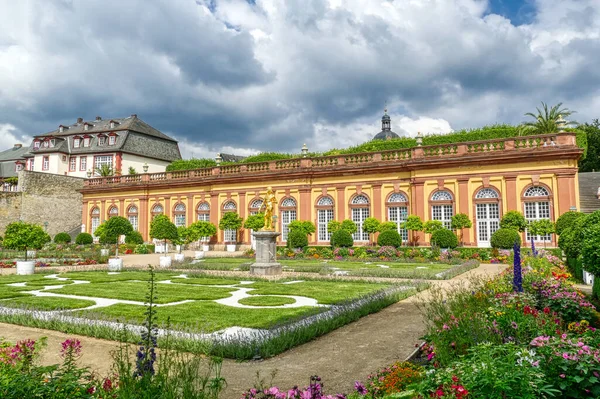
[[47, 303], [205, 281], [136, 291], [12, 292], [104, 277], [266, 301], [203, 316], [326, 292], [38, 284], [13, 278]]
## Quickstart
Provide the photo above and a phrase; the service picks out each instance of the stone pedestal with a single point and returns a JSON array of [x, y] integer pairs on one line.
[[266, 254]]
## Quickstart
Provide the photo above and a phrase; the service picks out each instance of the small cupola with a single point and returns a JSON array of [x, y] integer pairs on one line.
[[386, 122]]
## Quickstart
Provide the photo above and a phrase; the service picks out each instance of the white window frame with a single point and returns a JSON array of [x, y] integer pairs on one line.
[[180, 215], [76, 143], [45, 163], [112, 140], [82, 163], [86, 141], [132, 216], [100, 160], [73, 164]]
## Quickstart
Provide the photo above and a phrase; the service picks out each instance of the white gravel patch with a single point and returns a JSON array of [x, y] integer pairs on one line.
[[293, 282]]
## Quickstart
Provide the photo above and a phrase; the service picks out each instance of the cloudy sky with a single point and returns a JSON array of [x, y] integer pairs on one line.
[[261, 75]]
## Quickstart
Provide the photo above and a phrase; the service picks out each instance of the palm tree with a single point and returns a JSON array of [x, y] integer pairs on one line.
[[547, 120], [104, 170]]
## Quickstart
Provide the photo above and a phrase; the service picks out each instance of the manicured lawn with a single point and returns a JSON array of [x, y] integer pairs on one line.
[[204, 316], [136, 291], [47, 303], [104, 277], [266, 301], [13, 278], [205, 280], [12, 292]]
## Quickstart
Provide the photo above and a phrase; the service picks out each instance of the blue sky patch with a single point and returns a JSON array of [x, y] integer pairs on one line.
[[519, 12]]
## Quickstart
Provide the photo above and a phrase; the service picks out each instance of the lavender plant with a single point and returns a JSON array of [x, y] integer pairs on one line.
[[518, 277]]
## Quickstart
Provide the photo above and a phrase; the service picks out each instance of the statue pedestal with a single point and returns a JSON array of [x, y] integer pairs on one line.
[[266, 254]]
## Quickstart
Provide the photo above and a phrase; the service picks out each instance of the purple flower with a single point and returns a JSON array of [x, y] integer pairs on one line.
[[514, 325], [360, 388]]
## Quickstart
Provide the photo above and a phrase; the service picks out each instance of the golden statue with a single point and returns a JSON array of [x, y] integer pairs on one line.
[[268, 207]]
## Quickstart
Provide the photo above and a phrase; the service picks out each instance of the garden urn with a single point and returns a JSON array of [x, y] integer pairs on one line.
[[115, 264], [165, 261], [25, 267]]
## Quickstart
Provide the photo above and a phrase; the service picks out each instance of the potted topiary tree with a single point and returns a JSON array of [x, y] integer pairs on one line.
[[413, 223], [542, 227], [461, 221], [186, 235], [371, 226], [203, 231], [231, 221], [255, 223], [431, 226], [25, 236], [162, 228], [112, 229]]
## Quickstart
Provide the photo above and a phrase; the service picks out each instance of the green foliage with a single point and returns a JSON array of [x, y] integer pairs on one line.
[[540, 227], [444, 238], [385, 226], [461, 221], [132, 171], [141, 249], [135, 237], [230, 221], [389, 238], [547, 119], [62, 238], [431, 226], [413, 223], [255, 222], [13, 180], [346, 225], [104, 170], [113, 228], [268, 156], [505, 238], [84, 239], [590, 249], [23, 236], [188, 164], [571, 239], [341, 238], [371, 225], [514, 220], [297, 239], [566, 220], [591, 131], [305, 226], [162, 228], [202, 229]]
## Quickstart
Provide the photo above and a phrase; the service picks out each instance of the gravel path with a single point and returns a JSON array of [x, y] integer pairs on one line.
[[347, 354]]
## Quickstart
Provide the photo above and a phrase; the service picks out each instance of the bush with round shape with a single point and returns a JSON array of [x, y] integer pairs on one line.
[[62, 238], [514, 220], [444, 238], [431, 226], [341, 238], [135, 237], [305, 226], [505, 238], [162, 228], [84, 239], [231, 221], [566, 220], [297, 239], [113, 228], [389, 238], [385, 226], [204, 229], [255, 222]]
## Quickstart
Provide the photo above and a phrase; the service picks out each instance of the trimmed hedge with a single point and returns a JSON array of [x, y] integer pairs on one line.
[[389, 238], [297, 239], [444, 238], [62, 238], [84, 239], [135, 237], [341, 238], [505, 238]]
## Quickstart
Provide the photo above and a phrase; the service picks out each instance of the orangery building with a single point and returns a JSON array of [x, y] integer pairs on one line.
[[536, 175]]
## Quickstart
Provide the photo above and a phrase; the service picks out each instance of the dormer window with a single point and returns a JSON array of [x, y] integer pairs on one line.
[[52, 142], [101, 140], [19, 167], [45, 145], [36, 145], [61, 129], [86, 141], [77, 142], [112, 140], [86, 126]]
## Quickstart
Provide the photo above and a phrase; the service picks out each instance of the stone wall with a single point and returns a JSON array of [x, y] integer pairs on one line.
[[44, 198]]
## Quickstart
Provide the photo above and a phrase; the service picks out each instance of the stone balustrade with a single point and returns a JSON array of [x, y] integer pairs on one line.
[[512, 145]]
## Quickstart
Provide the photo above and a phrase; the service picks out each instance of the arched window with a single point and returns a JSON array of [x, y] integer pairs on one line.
[[113, 211], [95, 219], [157, 210], [179, 214], [487, 214], [536, 201], [288, 214], [132, 216], [442, 208], [229, 235], [324, 216], [359, 206], [397, 209], [255, 206], [203, 211]]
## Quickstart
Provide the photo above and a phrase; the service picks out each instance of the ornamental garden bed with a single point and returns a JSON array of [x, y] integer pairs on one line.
[[231, 317]]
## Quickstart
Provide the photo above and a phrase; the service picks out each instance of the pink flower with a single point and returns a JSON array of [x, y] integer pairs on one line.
[[562, 376], [565, 355]]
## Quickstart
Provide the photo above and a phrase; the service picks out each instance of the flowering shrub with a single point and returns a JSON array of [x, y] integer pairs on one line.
[[569, 303], [394, 378], [387, 252]]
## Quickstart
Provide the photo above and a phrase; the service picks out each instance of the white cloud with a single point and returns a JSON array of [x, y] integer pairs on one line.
[[9, 136]]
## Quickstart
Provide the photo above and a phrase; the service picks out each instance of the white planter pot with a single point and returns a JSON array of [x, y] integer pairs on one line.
[[115, 264], [588, 278], [31, 253], [230, 247], [199, 254], [104, 252], [161, 249], [178, 248], [165, 261], [179, 257], [25, 267], [205, 247]]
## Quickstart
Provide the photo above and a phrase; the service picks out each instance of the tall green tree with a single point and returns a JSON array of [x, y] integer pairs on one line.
[[413, 224], [24, 236], [162, 228], [547, 119], [112, 229], [591, 163]]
